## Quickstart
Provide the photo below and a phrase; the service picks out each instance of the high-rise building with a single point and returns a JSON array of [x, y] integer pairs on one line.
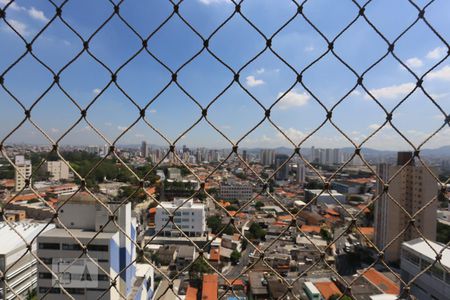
[[112, 249], [301, 172], [244, 155], [412, 188], [283, 172], [313, 156], [57, 170], [267, 157], [337, 156], [329, 156], [144, 149], [23, 171], [235, 190]]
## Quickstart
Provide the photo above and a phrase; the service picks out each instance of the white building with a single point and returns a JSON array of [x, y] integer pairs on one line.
[[189, 217], [174, 174], [23, 171], [301, 172], [57, 170], [113, 250], [18, 265], [324, 197], [235, 190], [417, 255]]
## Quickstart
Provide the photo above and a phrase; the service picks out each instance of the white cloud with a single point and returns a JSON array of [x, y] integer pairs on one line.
[[251, 81], [442, 74], [121, 128], [392, 92], [437, 53], [54, 130], [152, 111], [260, 71], [292, 99], [355, 93], [20, 27], [294, 134], [139, 135], [37, 14], [414, 62], [208, 2], [12, 6], [108, 124], [309, 48], [439, 95], [96, 91], [374, 126]]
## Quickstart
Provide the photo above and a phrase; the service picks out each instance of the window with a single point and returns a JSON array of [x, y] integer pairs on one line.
[[100, 248], [75, 291], [49, 246], [71, 247], [103, 277], [53, 290], [437, 272], [411, 258], [45, 275], [46, 260]]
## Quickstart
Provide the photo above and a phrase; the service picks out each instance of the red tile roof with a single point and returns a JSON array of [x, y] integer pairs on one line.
[[191, 293], [214, 254], [382, 282], [210, 286], [310, 228], [327, 289]]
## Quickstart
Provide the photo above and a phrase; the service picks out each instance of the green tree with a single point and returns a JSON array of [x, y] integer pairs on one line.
[[258, 205], [232, 208], [198, 268], [214, 222], [256, 232], [443, 233], [235, 257], [325, 234]]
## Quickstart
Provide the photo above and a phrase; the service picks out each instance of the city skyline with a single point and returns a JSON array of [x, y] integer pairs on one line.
[[297, 113]]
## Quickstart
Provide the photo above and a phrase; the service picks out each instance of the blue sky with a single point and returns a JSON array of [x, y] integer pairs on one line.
[[234, 113]]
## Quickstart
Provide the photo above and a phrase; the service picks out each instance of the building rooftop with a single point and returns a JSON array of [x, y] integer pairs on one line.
[[191, 293], [181, 202], [327, 289], [422, 248], [78, 233], [324, 192], [210, 286], [27, 230], [382, 282]]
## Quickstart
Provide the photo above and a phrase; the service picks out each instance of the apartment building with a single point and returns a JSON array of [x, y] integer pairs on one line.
[[57, 170], [22, 172], [18, 265], [110, 248], [416, 255], [267, 157], [283, 172], [235, 190], [189, 217], [412, 188], [301, 172]]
